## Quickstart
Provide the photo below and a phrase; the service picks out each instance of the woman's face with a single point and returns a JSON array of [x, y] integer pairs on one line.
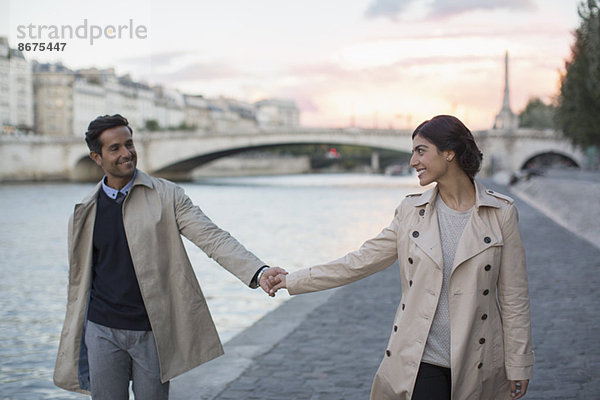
[[431, 164]]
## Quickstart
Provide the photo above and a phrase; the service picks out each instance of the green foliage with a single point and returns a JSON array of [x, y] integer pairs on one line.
[[151, 125], [185, 127], [578, 108], [537, 114]]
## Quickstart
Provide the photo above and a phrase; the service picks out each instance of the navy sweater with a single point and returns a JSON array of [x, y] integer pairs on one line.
[[116, 300]]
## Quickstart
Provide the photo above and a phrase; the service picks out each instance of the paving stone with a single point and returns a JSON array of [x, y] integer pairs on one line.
[[335, 352]]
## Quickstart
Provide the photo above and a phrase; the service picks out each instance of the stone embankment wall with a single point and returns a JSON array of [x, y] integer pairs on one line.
[[240, 165], [570, 198]]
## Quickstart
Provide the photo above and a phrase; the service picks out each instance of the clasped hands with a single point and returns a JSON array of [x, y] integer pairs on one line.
[[272, 279]]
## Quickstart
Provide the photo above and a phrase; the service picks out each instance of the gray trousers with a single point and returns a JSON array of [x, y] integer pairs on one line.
[[117, 356]]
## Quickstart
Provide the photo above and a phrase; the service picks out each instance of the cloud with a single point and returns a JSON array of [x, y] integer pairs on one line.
[[387, 8], [532, 28], [321, 71], [446, 8], [415, 87], [443, 8], [303, 98], [197, 71], [157, 59], [321, 77]]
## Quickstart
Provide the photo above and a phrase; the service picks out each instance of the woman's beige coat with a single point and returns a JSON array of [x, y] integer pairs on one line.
[[489, 300], [155, 215]]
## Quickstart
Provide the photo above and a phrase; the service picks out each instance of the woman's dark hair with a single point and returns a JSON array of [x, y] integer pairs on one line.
[[449, 133], [99, 125]]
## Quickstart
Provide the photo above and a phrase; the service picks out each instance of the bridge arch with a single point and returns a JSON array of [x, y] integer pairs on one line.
[[186, 165], [549, 159], [86, 170], [171, 153], [36, 157], [175, 157], [529, 149], [196, 161], [181, 169]]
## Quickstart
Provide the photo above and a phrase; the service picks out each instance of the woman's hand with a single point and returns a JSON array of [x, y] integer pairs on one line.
[[270, 277], [276, 286], [518, 388]]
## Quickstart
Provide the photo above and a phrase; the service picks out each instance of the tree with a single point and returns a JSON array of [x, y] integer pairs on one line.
[[151, 125], [578, 108], [537, 114]]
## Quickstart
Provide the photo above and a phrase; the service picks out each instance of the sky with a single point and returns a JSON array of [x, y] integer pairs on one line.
[[365, 63]]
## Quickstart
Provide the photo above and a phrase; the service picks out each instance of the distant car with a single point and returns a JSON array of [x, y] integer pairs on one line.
[[397, 169], [333, 153]]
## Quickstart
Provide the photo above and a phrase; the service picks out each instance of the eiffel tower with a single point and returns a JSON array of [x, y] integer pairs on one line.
[[506, 119]]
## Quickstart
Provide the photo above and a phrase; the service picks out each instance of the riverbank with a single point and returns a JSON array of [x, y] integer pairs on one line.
[[571, 198], [328, 345], [241, 165], [276, 217]]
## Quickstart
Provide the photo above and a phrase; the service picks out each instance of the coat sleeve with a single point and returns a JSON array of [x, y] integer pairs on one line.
[[374, 255], [217, 243], [513, 297]]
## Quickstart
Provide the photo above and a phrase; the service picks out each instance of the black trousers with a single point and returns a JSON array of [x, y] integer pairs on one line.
[[433, 383]]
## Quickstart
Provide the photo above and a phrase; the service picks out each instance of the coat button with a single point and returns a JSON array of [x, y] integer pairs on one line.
[[482, 341], [410, 283], [487, 267], [421, 212], [410, 260], [487, 239], [486, 292], [480, 365], [484, 317], [395, 328], [415, 234], [388, 353]]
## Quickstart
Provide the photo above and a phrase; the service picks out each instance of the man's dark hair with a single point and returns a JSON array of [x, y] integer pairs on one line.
[[447, 132], [99, 125]]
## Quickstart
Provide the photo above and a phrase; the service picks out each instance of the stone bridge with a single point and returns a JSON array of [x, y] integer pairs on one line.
[[174, 154]]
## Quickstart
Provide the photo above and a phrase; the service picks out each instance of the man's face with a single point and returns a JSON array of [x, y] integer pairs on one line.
[[118, 158]]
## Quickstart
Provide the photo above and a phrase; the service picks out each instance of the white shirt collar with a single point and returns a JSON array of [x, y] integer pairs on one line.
[[112, 193]]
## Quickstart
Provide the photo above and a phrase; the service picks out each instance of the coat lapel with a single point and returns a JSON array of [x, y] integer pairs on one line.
[[478, 235], [476, 238], [426, 232], [81, 212]]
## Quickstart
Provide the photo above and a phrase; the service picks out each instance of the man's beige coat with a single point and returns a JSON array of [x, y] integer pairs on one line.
[[155, 215], [489, 300]]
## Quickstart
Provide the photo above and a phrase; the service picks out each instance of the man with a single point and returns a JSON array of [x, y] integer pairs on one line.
[[135, 310]]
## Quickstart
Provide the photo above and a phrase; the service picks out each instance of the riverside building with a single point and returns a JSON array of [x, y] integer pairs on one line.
[[16, 92]]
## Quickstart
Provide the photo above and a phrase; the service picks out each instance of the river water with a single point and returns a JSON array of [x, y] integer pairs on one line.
[[290, 221]]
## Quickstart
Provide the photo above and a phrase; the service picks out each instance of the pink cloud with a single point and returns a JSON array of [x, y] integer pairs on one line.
[[392, 9]]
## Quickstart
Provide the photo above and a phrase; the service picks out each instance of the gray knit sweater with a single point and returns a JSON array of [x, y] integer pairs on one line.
[[452, 223]]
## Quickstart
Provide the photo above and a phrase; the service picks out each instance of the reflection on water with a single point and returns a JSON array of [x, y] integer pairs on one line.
[[288, 221]]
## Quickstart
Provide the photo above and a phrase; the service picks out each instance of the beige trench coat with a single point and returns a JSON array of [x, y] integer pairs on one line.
[[489, 299], [155, 215]]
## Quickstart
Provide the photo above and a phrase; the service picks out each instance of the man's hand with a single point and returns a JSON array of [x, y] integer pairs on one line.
[[518, 388], [270, 277]]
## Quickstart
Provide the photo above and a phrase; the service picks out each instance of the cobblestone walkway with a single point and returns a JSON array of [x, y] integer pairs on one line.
[[335, 351]]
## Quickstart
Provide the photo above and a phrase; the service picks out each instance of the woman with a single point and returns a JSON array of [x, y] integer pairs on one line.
[[462, 329]]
